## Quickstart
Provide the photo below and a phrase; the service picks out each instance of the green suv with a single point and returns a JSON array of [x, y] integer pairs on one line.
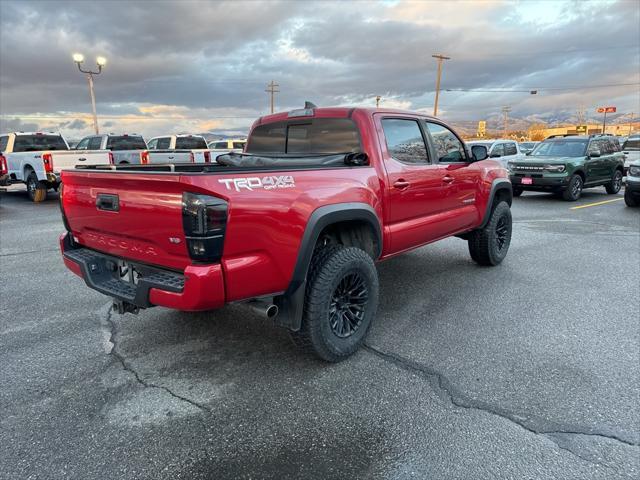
[[566, 164]]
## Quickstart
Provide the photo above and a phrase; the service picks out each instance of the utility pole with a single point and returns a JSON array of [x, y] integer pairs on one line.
[[581, 116], [440, 59], [272, 89], [505, 113], [378, 97]]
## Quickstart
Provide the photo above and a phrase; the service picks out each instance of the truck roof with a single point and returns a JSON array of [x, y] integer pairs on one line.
[[31, 133], [335, 112]]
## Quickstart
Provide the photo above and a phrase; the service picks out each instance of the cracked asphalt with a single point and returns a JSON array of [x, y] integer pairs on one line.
[[527, 370]]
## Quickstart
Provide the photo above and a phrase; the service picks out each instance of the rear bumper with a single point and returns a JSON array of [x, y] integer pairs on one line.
[[199, 287]]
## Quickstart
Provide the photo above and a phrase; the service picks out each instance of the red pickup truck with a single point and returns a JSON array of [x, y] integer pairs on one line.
[[292, 226]]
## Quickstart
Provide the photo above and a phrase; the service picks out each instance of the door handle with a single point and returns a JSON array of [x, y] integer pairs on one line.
[[401, 184], [171, 158], [447, 179], [82, 159], [108, 202]]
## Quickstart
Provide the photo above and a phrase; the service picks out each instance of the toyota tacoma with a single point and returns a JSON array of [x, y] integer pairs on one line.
[[293, 226]]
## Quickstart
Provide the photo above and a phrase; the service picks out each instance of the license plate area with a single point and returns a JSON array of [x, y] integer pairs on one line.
[[527, 181]]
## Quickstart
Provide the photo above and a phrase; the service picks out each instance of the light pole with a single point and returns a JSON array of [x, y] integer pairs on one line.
[[101, 62], [440, 59]]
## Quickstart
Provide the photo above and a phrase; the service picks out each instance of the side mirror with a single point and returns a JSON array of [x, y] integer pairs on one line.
[[594, 153], [479, 152], [528, 153], [356, 159]]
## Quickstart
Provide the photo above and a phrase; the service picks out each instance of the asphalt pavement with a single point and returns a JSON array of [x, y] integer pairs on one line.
[[527, 370]]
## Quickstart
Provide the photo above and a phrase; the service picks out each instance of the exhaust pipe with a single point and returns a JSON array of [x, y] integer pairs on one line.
[[264, 309]]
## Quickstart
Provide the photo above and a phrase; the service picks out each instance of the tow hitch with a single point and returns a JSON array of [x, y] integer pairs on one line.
[[123, 307]]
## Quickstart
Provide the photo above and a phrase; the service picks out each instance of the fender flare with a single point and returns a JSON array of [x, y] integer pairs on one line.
[[499, 184], [291, 303]]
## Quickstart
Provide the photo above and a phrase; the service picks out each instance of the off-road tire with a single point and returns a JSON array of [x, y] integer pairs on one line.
[[489, 245], [517, 191], [331, 265], [630, 199], [574, 189], [37, 190], [615, 184]]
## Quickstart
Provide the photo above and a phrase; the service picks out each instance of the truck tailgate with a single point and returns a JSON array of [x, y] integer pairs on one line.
[[146, 225], [69, 159]]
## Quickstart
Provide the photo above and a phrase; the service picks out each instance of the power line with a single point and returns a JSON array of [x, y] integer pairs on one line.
[[528, 90]]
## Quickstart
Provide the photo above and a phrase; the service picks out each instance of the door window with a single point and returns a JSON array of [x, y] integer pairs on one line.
[[82, 144], [404, 140], [448, 147], [497, 150], [510, 149], [94, 143], [153, 144], [163, 143]]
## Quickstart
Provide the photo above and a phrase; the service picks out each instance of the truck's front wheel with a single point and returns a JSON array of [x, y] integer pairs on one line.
[[36, 189], [340, 302]]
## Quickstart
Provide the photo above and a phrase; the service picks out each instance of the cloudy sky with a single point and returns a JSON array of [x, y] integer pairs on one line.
[[203, 66]]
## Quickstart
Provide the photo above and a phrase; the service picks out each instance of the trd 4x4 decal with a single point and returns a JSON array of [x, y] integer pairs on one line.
[[251, 183]]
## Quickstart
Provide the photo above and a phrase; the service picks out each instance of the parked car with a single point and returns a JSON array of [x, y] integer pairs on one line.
[[178, 149], [526, 147], [37, 158], [566, 164], [125, 149], [293, 226], [221, 147], [4, 170], [631, 150], [504, 150], [632, 188]]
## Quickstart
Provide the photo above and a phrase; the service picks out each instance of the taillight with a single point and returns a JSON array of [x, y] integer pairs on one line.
[[204, 220], [144, 157], [207, 157], [47, 159], [4, 169], [192, 157], [64, 217], [111, 158]]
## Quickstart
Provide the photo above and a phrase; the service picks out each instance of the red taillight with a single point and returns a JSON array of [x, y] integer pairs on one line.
[[192, 157], [4, 169], [47, 159], [207, 157], [111, 158], [144, 157]]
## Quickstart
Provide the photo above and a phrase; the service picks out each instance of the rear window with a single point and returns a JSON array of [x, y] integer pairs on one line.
[[318, 135], [36, 143], [631, 144], [190, 143], [126, 143]]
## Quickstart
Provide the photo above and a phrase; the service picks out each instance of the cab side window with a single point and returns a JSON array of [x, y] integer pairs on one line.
[[404, 140], [510, 149], [448, 147], [497, 150], [82, 144], [153, 144], [163, 143], [94, 143]]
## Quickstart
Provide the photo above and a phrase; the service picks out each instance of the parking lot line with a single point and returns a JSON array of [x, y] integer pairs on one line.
[[596, 204]]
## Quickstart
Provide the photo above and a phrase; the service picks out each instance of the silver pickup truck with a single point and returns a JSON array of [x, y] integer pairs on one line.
[[124, 148], [178, 149], [37, 158]]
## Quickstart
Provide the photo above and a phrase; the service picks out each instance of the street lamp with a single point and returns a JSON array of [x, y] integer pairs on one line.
[[101, 62]]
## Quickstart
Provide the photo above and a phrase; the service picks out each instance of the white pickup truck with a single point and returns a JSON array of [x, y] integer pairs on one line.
[[124, 148], [36, 159], [178, 149]]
